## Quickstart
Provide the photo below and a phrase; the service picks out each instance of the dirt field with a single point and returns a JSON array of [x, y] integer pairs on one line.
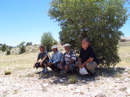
[[25, 82]]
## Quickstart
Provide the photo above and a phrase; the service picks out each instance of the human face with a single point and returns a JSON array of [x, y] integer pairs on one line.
[[41, 50], [54, 50], [84, 44], [67, 48]]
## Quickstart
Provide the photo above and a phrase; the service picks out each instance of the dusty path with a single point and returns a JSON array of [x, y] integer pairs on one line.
[[31, 86]]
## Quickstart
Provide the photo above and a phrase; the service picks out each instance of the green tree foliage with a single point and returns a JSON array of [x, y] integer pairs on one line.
[[28, 43], [8, 52], [10, 47], [22, 47], [47, 40], [3, 47], [98, 20]]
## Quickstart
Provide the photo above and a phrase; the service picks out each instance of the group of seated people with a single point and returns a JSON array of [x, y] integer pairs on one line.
[[86, 63]]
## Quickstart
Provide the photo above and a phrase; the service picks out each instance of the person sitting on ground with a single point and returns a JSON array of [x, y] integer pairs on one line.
[[55, 60], [68, 60], [43, 56], [87, 57]]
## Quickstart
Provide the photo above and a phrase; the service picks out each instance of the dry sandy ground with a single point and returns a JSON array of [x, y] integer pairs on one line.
[[21, 84]]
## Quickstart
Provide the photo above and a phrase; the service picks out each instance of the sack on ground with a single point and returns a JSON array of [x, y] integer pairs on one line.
[[83, 71]]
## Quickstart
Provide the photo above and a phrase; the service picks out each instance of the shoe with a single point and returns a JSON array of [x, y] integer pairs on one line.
[[63, 72], [45, 70]]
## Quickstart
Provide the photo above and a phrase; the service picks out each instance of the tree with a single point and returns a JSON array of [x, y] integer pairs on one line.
[[28, 43], [4, 48], [98, 20], [22, 47], [48, 40], [8, 52]]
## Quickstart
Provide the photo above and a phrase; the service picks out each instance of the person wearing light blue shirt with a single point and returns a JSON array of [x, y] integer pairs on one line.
[[55, 60]]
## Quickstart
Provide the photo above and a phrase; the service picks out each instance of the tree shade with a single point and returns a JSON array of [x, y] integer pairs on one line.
[[98, 20]]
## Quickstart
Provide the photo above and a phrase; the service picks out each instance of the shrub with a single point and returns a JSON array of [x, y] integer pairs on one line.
[[22, 47], [28, 43], [8, 52], [3, 48], [47, 40]]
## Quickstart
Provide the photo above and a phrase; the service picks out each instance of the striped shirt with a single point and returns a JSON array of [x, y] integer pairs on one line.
[[67, 57]]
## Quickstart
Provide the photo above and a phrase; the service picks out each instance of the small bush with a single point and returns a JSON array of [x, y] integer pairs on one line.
[[48, 41], [3, 48], [8, 52], [28, 43], [72, 79], [22, 47], [22, 50], [7, 72]]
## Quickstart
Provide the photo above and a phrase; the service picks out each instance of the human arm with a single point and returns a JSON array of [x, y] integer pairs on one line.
[[50, 61], [44, 58], [79, 62], [73, 59], [89, 60], [35, 63], [62, 62], [59, 57], [67, 65]]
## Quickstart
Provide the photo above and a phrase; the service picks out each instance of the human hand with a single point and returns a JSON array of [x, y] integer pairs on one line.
[[81, 66], [61, 67], [66, 67], [34, 65], [78, 64], [40, 63], [49, 63]]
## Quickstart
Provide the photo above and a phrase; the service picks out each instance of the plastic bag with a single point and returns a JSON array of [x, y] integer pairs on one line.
[[83, 71]]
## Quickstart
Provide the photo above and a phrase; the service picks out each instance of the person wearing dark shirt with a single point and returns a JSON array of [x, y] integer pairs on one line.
[[87, 57], [43, 56]]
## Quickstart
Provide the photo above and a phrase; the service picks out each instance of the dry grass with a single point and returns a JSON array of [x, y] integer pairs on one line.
[[17, 63], [117, 75], [124, 53], [110, 81], [24, 62], [123, 89], [72, 79]]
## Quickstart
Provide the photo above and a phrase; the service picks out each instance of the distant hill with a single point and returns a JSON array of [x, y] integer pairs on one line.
[[123, 39], [33, 48]]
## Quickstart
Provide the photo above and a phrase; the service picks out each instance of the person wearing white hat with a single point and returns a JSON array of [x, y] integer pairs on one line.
[[68, 59], [67, 45], [55, 60]]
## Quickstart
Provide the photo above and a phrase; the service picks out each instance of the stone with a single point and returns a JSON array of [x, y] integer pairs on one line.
[[61, 80], [128, 91], [45, 85], [77, 91], [100, 95]]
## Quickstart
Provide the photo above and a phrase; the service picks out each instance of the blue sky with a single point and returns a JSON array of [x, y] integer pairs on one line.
[[27, 20]]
